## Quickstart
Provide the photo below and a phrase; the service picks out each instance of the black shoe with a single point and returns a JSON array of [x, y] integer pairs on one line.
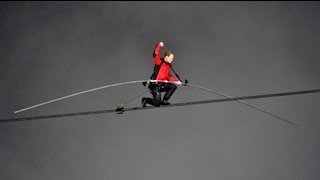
[[144, 102], [164, 102]]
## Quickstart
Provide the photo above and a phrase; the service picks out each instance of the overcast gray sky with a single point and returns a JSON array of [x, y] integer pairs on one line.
[[53, 49]]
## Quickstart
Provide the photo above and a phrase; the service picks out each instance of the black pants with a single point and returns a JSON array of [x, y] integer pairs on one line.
[[156, 90]]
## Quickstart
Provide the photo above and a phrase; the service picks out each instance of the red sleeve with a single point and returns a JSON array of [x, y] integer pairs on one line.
[[173, 78], [156, 54]]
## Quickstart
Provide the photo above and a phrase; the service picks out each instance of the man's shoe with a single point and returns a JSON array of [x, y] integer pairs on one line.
[[164, 102], [144, 102]]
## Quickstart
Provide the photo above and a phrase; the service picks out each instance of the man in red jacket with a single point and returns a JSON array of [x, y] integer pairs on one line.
[[161, 72]]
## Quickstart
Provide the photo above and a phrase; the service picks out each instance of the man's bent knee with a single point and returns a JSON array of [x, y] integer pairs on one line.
[[157, 103]]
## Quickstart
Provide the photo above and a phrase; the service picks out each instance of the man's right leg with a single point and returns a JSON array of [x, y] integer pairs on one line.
[[155, 101]]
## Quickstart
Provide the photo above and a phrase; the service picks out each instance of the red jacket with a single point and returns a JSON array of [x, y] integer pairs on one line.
[[164, 71]]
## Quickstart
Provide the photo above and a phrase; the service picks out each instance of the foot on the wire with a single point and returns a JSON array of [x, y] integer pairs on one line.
[[165, 102]]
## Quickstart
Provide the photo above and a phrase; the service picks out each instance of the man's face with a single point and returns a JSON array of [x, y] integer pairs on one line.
[[169, 58]]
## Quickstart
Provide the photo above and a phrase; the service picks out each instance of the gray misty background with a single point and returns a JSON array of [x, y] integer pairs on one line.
[[53, 49]]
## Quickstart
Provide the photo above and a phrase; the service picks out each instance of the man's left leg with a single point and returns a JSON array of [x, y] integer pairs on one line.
[[169, 88]]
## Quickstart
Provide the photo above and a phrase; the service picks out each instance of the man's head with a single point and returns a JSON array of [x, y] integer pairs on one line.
[[168, 57]]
